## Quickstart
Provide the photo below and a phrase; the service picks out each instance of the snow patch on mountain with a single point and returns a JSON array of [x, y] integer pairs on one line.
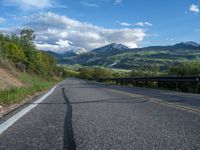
[[113, 64]]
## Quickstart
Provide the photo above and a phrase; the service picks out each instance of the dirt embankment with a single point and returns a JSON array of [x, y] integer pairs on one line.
[[7, 79]]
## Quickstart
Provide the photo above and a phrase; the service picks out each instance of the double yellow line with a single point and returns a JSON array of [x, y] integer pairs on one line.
[[158, 101]]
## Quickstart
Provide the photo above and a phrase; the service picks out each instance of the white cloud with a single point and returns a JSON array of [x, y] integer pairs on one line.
[[2, 20], [194, 8], [140, 24], [125, 24], [148, 24], [64, 43], [30, 4], [144, 24], [59, 33]]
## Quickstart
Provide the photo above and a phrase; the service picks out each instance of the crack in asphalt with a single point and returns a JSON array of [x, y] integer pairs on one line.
[[69, 141]]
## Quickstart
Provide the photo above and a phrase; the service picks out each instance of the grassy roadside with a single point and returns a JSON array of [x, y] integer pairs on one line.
[[33, 84]]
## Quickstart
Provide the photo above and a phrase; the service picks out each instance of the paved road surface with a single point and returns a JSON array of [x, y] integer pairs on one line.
[[86, 115]]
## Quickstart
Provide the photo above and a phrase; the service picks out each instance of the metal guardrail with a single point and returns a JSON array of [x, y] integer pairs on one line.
[[156, 79], [177, 81]]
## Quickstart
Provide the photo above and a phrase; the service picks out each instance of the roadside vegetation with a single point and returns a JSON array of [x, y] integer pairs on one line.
[[35, 69], [187, 68], [94, 73], [16, 94]]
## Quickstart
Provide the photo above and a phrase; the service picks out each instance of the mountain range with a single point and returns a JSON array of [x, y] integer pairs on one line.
[[120, 56]]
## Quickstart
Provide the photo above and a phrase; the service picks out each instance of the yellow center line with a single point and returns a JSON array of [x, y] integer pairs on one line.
[[159, 101]]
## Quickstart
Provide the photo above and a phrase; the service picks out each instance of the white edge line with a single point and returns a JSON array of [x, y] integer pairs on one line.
[[5, 125]]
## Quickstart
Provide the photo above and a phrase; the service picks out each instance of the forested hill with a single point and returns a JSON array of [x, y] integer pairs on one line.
[[160, 56]]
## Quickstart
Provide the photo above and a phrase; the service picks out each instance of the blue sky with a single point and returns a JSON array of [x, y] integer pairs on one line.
[[87, 24]]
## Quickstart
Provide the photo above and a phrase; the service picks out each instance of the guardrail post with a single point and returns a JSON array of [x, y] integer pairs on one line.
[[177, 86], [126, 82], [146, 83], [121, 82], [159, 84]]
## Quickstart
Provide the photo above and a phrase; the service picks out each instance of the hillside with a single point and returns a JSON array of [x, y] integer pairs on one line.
[[161, 56], [24, 70], [8, 79]]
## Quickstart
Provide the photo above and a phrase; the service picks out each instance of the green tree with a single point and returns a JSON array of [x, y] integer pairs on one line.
[[94, 73], [86, 73], [186, 69], [15, 52], [27, 37]]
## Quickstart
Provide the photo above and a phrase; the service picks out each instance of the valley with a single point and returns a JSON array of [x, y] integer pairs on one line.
[[121, 57]]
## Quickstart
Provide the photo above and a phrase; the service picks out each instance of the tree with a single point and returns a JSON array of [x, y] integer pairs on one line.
[[94, 73], [27, 36], [189, 68], [15, 52]]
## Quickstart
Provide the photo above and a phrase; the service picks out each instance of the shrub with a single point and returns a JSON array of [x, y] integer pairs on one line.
[[186, 69], [94, 73]]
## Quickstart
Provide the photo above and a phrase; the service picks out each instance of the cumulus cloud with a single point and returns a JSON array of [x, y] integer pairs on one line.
[[60, 33], [29, 4], [2, 20], [144, 24], [194, 8]]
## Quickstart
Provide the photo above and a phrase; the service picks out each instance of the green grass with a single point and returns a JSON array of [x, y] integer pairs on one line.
[[121, 70], [16, 94], [72, 73], [72, 67]]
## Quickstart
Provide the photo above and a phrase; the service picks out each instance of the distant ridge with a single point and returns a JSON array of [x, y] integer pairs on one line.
[[120, 56], [187, 44]]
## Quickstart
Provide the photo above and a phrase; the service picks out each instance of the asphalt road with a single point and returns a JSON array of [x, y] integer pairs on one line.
[[86, 115]]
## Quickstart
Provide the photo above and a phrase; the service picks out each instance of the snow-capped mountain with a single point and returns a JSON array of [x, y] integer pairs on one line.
[[120, 56], [117, 46], [78, 51], [111, 48]]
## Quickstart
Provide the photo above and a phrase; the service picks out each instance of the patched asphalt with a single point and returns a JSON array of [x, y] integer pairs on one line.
[[86, 115]]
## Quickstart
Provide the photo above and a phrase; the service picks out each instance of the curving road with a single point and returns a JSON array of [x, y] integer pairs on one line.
[[86, 115]]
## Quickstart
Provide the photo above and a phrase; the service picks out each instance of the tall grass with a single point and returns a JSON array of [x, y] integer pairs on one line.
[[33, 85]]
